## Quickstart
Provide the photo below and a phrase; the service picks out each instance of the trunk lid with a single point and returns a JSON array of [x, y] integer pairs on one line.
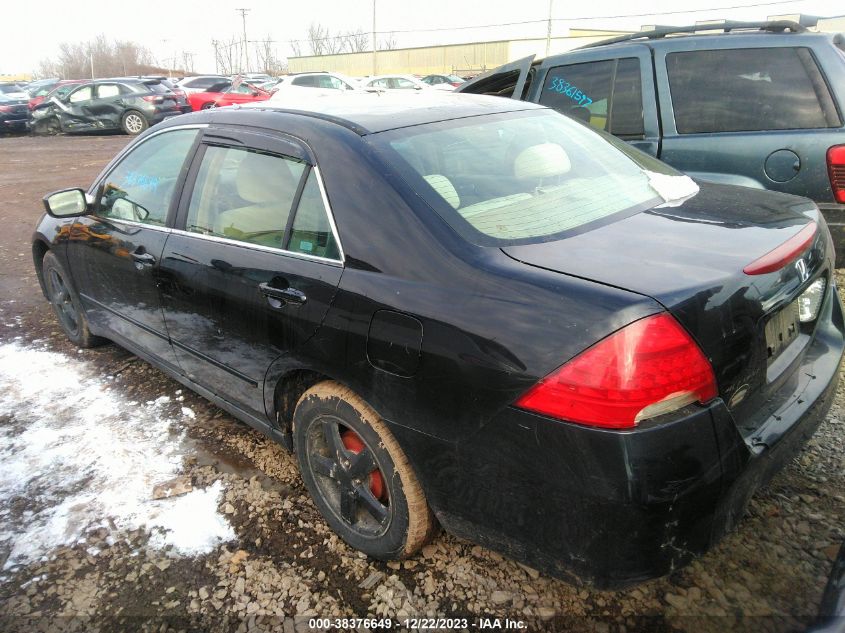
[[690, 258]]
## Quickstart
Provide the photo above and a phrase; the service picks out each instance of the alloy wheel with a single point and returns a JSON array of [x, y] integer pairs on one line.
[[348, 477], [62, 301], [134, 123]]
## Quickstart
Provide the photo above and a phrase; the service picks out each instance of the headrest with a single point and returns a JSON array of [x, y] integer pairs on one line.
[[541, 161], [445, 188], [262, 179]]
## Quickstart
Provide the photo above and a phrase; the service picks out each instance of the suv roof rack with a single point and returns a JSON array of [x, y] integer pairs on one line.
[[774, 26]]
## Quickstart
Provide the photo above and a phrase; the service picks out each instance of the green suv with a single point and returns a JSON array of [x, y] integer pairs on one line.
[[754, 104]]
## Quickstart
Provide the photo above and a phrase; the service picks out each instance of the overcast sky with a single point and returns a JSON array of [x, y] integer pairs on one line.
[[33, 30]]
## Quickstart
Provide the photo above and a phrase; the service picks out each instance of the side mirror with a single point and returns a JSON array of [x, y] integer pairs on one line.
[[418, 87], [66, 203], [254, 93]]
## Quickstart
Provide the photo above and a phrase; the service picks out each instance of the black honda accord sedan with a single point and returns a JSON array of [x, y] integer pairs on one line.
[[466, 311]]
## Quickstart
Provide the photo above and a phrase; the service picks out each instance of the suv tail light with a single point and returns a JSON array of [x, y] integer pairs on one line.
[[153, 98], [648, 368], [5, 108], [836, 169]]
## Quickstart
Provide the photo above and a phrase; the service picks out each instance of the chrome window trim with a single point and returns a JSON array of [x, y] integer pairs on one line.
[[256, 247], [226, 240], [329, 212]]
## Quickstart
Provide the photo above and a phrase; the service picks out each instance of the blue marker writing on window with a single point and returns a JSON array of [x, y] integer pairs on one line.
[[142, 181], [561, 86]]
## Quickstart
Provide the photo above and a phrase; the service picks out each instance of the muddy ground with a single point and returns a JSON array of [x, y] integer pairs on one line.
[[284, 565]]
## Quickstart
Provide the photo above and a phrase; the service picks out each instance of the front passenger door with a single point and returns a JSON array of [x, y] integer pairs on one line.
[[115, 251]]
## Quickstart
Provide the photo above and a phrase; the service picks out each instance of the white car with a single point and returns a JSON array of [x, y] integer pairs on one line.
[[201, 83], [395, 83], [314, 83]]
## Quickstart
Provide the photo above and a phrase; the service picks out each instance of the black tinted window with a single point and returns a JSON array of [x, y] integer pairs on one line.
[[309, 81], [749, 89], [606, 94], [203, 82]]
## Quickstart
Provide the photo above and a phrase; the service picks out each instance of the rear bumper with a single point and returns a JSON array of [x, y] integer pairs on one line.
[[613, 508]]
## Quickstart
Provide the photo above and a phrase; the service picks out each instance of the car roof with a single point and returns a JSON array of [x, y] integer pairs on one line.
[[370, 113]]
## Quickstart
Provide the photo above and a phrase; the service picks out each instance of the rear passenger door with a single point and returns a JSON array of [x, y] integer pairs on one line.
[[614, 94], [252, 265], [108, 104], [761, 117]]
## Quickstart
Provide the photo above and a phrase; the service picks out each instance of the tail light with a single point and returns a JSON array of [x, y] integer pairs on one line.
[[648, 368], [455, 83], [779, 257], [5, 108], [153, 98], [836, 169]]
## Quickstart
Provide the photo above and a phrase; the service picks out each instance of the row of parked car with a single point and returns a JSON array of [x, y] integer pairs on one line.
[[132, 104]]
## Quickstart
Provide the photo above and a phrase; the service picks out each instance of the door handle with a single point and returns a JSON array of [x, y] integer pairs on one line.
[[285, 295], [143, 259]]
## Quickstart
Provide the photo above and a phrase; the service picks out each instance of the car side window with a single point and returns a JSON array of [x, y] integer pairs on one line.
[[244, 195], [105, 91], [307, 81], [83, 94], [141, 187], [733, 90], [311, 232], [607, 94], [404, 83]]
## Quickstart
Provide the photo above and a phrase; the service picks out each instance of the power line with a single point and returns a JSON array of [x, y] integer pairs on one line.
[[525, 22]]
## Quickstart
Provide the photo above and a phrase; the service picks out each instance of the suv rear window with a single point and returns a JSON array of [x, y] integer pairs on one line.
[[738, 90], [526, 177], [606, 94]]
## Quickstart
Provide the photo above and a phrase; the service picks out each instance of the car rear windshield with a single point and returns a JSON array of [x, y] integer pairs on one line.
[[524, 177]]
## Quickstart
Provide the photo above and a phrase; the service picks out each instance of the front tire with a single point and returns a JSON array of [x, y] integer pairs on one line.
[[66, 303], [207, 106], [133, 123], [358, 476]]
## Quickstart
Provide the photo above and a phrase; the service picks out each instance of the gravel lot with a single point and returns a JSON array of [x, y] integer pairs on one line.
[[129, 503]]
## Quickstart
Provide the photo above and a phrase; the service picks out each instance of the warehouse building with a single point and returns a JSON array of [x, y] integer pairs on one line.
[[459, 59], [475, 58]]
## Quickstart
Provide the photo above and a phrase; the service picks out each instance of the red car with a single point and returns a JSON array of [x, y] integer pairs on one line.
[[224, 94], [58, 89]]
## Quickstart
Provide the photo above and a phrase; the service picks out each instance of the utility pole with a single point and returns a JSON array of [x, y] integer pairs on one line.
[[549, 29], [375, 42], [245, 63], [214, 43], [91, 59]]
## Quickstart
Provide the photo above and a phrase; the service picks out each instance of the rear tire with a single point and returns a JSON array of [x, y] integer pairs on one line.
[[66, 303], [358, 476], [133, 122], [207, 106]]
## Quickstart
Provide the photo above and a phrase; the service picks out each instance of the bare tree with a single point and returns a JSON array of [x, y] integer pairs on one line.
[[108, 59], [296, 48], [356, 41], [317, 38], [388, 43], [268, 61], [228, 55]]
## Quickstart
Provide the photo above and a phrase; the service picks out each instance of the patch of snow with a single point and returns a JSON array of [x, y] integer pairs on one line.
[[188, 413], [76, 455]]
